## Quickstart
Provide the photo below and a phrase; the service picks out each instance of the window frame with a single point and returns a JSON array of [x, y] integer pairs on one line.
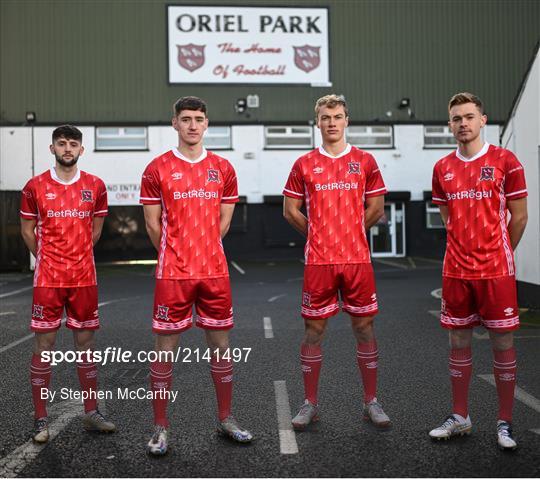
[[372, 147], [213, 147], [288, 134], [445, 134], [121, 129], [430, 209]]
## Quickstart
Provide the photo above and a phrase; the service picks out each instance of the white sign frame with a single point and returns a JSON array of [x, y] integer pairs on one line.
[[248, 45]]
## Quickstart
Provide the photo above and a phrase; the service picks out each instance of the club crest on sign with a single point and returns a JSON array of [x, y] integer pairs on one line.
[[37, 311], [307, 57], [354, 168], [213, 175], [487, 173], [191, 56], [86, 196], [162, 313]]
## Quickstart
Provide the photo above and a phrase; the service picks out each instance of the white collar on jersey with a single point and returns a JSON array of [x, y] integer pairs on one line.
[[482, 152], [346, 151], [182, 157], [56, 178]]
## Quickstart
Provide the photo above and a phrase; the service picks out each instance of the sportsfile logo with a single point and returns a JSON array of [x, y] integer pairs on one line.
[[203, 194], [471, 194], [74, 213], [342, 185]]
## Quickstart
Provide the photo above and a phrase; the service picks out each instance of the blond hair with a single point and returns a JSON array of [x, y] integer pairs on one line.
[[331, 101]]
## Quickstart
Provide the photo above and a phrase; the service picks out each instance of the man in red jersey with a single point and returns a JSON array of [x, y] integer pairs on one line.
[[188, 195], [62, 214], [475, 187], [343, 190]]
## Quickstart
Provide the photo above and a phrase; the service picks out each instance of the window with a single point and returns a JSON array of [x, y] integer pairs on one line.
[[288, 137], [438, 137], [370, 136], [121, 138], [218, 138], [433, 216]]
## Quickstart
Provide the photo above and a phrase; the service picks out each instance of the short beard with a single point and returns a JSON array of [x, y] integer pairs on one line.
[[65, 163]]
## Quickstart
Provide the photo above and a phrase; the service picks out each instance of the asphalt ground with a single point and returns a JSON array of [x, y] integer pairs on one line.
[[414, 388]]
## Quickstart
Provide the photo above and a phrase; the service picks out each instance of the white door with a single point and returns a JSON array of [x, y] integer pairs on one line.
[[382, 235]]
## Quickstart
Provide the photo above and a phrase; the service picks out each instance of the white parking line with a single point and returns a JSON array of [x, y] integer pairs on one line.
[[17, 291], [536, 431], [29, 336], [519, 393], [15, 462], [287, 438], [273, 298], [437, 293], [411, 262], [7, 313], [268, 332], [388, 262], [240, 270]]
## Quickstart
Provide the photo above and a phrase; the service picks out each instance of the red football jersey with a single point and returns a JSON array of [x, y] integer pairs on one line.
[[190, 194], [64, 213], [334, 189], [476, 191]]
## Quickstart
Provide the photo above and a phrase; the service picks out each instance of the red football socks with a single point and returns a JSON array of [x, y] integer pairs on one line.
[[87, 372], [504, 370], [460, 366], [311, 360], [40, 377], [160, 380], [367, 356], [222, 375]]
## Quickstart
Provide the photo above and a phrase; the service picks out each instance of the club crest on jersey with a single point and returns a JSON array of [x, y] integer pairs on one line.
[[37, 311], [86, 196], [306, 299], [354, 168], [162, 312], [50, 196], [318, 170], [213, 175], [487, 173], [177, 176]]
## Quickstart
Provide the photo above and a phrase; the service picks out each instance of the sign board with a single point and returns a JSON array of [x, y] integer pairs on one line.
[[123, 194], [248, 45]]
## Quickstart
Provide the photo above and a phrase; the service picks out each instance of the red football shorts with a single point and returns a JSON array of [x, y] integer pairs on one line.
[[174, 300], [81, 305], [354, 282], [473, 302]]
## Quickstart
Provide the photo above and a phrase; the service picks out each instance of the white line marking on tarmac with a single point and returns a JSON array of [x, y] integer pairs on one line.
[[17, 291], [391, 263], [435, 313], [240, 270], [536, 431], [29, 336], [300, 278], [16, 461], [411, 262], [437, 293], [273, 298], [519, 393], [268, 331], [287, 437], [7, 313]]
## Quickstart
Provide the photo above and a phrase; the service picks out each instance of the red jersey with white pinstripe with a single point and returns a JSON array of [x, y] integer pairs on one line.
[[64, 213], [476, 191], [334, 190], [190, 194]]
